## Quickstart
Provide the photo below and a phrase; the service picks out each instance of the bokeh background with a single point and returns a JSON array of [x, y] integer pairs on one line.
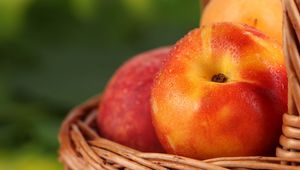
[[55, 54]]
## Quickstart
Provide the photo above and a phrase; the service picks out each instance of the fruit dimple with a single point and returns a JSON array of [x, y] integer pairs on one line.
[[219, 78]]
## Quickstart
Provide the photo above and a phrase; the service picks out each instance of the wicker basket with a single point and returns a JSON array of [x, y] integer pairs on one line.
[[83, 149]]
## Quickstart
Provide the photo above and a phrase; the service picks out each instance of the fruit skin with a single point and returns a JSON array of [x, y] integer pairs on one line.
[[265, 15], [196, 117], [125, 113]]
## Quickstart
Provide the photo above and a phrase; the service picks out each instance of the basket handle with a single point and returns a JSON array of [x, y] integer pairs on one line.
[[290, 138]]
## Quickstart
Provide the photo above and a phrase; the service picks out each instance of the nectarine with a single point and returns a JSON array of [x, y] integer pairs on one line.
[[265, 15], [221, 92], [125, 114]]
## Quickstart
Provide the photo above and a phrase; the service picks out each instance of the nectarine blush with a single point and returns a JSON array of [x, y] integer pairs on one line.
[[225, 84]]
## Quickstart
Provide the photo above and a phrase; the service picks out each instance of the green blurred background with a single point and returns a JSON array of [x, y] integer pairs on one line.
[[55, 54]]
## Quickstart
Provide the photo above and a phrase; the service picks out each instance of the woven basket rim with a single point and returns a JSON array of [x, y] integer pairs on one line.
[[82, 117]]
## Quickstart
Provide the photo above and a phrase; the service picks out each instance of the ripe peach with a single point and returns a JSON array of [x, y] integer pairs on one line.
[[125, 112], [265, 15], [221, 92]]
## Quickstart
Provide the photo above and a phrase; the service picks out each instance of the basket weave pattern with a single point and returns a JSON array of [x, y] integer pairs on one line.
[[83, 149], [290, 139]]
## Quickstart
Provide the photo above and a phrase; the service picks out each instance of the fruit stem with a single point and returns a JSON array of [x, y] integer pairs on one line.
[[219, 78]]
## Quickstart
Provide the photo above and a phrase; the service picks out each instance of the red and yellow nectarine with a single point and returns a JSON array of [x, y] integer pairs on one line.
[[265, 15], [221, 92], [125, 113]]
